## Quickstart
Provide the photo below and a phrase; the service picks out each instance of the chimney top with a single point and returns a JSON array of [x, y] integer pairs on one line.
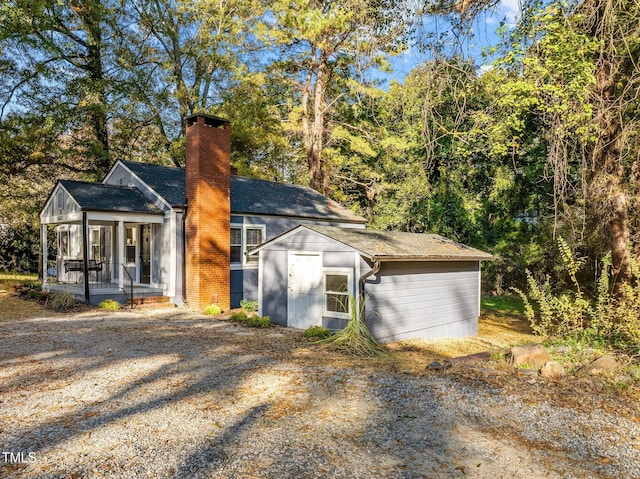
[[209, 120]]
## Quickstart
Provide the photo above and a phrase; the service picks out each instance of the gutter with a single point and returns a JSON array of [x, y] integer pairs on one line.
[[361, 297]]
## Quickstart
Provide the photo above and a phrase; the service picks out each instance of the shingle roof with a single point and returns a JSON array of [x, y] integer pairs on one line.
[[393, 245], [248, 195], [101, 197]]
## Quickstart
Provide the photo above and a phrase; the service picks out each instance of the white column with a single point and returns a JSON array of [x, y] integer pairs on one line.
[[121, 259], [44, 246]]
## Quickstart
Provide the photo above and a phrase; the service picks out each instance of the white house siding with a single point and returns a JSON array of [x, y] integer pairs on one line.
[[423, 300]]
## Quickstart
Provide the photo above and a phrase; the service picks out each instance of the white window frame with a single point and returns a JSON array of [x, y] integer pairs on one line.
[[348, 272], [244, 264]]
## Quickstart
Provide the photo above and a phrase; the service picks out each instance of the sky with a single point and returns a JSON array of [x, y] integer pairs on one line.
[[484, 35]]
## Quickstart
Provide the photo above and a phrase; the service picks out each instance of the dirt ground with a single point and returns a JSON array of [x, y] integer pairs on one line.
[[124, 394], [496, 333]]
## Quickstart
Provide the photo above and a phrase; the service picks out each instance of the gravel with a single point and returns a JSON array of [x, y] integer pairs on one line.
[[170, 394]]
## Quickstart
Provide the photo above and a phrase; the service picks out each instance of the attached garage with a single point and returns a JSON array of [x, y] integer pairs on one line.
[[417, 285]]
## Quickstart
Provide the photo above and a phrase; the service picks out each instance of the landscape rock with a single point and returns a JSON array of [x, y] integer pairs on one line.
[[470, 358], [602, 365], [532, 354], [438, 366], [552, 370]]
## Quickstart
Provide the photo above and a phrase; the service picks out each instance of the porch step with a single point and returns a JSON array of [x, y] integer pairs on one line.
[[149, 302]]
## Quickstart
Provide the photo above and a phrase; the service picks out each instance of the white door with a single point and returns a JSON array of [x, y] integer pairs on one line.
[[305, 290]]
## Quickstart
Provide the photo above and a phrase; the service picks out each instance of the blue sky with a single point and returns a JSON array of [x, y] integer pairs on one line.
[[484, 35]]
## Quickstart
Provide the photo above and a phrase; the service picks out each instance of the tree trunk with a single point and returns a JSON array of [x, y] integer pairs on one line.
[[314, 129]]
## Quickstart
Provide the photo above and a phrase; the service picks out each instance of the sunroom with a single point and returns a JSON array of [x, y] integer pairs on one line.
[[102, 242]]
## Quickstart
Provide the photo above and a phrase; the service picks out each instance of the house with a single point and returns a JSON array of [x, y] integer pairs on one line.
[[150, 230], [412, 285], [202, 235]]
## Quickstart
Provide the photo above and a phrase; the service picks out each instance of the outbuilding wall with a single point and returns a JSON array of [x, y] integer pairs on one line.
[[424, 300], [275, 275]]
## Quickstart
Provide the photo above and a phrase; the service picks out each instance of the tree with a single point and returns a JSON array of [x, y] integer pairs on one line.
[[323, 50]]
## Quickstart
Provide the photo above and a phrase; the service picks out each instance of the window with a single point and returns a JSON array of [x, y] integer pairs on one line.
[[130, 247], [236, 245], [336, 293], [254, 237], [242, 240], [96, 245]]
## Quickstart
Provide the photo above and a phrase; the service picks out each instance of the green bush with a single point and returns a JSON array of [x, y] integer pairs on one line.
[[253, 320], [213, 309], [109, 304], [249, 306], [608, 320], [317, 332], [239, 317], [259, 322]]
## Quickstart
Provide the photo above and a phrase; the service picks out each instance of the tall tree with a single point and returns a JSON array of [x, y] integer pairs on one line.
[[323, 48], [60, 54]]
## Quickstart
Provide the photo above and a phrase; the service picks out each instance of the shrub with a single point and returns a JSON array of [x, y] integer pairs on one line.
[[606, 320], [30, 290], [355, 339], [249, 306], [109, 304], [317, 332], [253, 320], [213, 309], [259, 322], [239, 317], [62, 301]]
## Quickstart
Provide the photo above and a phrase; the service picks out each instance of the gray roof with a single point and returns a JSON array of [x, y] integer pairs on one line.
[[101, 197], [398, 246], [248, 195]]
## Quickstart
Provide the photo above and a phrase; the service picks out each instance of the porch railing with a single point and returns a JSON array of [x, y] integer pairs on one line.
[[101, 274], [128, 284]]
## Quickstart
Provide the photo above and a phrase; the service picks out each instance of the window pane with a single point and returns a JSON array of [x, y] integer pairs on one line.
[[254, 236], [337, 282], [337, 303], [236, 236], [236, 254]]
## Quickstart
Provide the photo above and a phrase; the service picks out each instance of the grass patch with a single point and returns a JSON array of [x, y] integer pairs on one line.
[[503, 305]]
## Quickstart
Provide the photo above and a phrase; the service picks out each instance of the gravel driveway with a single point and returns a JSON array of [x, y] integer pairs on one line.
[[171, 394]]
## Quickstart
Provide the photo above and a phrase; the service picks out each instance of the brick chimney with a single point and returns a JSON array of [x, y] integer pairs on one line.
[[208, 218]]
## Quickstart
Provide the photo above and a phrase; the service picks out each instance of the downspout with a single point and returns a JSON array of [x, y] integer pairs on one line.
[[85, 257], [184, 254], [363, 278]]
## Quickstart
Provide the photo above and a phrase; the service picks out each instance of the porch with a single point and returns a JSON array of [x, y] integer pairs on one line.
[[103, 284], [98, 254]]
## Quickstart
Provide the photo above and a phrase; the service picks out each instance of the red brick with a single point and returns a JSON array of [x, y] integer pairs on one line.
[[208, 172]]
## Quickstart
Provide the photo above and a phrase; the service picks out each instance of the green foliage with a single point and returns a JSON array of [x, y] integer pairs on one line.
[[253, 320], [239, 317], [249, 306], [109, 304], [317, 332], [355, 339], [213, 309], [608, 320]]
